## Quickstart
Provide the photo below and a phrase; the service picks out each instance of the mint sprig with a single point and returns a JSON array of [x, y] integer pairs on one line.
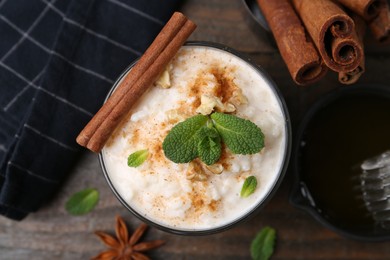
[[201, 136], [137, 158], [262, 246]]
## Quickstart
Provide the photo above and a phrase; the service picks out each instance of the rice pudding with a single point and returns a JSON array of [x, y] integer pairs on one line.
[[194, 196]]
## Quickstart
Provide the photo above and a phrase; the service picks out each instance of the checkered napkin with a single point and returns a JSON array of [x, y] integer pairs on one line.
[[58, 59]]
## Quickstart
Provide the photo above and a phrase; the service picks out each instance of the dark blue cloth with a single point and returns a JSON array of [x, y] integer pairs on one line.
[[58, 59]]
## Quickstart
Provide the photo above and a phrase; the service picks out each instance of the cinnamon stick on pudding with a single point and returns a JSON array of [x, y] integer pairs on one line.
[[380, 26], [138, 80], [328, 24], [351, 77], [298, 51], [161, 41], [368, 9]]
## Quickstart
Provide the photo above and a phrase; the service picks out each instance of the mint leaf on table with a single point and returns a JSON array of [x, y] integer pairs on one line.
[[241, 136], [137, 158], [249, 186], [82, 202], [209, 146], [181, 143], [262, 246]]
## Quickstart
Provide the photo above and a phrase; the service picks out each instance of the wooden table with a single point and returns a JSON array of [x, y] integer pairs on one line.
[[53, 234]]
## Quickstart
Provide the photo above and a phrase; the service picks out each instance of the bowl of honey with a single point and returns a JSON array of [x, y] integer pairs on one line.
[[340, 131]]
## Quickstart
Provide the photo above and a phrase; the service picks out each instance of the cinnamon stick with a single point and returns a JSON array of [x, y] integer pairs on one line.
[[347, 52], [161, 41], [352, 76], [326, 21], [153, 62], [380, 26], [297, 49], [368, 9]]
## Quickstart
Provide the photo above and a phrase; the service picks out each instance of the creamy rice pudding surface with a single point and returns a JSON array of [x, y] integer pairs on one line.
[[193, 196]]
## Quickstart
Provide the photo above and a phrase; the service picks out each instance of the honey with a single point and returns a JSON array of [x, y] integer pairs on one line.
[[336, 141]]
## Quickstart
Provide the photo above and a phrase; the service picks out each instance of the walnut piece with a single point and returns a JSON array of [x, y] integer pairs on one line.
[[164, 81], [198, 171], [216, 168], [229, 108], [209, 103], [175, 115], [238, 98]]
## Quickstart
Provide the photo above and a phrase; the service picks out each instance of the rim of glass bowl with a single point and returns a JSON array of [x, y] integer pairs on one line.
[[271, 191]]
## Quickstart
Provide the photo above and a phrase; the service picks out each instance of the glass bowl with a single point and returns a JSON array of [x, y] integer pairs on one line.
[[268, 194]]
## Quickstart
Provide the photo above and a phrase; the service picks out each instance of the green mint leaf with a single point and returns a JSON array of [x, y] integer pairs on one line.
[[137, 158], [181, 143], [241, 136], [262, 246], [209, 146], [249, 186], [82, 202]]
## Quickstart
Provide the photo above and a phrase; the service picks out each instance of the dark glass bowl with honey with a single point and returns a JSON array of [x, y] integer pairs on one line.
[[337, 134]]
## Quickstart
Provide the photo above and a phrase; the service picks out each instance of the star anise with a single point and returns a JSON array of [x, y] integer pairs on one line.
[[123, 247]]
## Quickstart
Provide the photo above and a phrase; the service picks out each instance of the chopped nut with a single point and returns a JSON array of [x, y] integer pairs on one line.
[[219, 105], [164, 80], [229, 107], [196, 172], [207, 104], [174, 115], [239, 98], [215, 168]]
